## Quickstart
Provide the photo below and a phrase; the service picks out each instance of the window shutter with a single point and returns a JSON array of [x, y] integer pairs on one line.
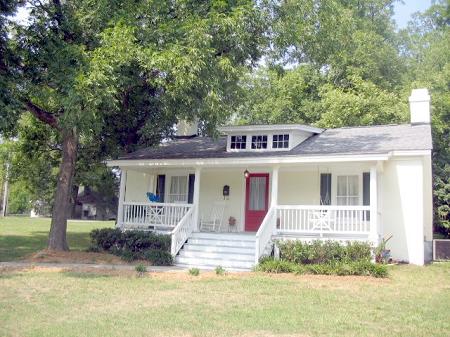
[[325, 188], [161, 187], [191, 189], [366, 188], [366, 192]]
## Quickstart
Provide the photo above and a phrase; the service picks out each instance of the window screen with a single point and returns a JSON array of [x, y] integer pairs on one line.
[[178, 189], [347, 190], [257, 193]]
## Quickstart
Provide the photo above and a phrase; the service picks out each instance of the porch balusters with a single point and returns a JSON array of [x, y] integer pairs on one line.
[[323, 220], [160, 216]]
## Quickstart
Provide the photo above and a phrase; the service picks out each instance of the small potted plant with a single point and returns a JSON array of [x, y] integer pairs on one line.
[[232, 223]]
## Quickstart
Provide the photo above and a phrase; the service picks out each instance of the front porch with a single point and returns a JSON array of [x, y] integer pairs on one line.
[[296, 202]]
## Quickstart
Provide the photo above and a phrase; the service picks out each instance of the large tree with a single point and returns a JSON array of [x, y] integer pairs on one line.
[[331, 63], [109, 75]]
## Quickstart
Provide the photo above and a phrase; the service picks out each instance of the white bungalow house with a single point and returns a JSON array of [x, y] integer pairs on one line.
[[225, 200]]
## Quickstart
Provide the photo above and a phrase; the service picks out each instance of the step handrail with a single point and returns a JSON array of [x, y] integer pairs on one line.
[[264, 233], [182, 231]]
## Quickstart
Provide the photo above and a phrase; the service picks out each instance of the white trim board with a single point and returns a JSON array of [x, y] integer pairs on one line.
[[263, 161]]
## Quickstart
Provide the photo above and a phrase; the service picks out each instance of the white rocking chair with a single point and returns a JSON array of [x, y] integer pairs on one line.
[[214, 222]]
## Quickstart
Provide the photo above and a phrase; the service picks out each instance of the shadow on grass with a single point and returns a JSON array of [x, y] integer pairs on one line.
[[16, 247]]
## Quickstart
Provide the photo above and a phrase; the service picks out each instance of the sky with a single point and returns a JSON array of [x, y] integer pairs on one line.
[[404, 11]]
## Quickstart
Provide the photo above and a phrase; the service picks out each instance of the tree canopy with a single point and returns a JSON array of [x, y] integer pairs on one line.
[[106, 77]]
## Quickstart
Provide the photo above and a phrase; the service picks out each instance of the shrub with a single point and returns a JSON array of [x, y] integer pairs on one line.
[[194, 271], [132, 245], [220, 271], [270, 265], [159, 257], [319, 252], [105, 238], [127, 255], [140, 269], [362, 267], [93, 249]]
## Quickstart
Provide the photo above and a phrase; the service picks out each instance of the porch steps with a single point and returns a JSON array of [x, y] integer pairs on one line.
[[232, 251]]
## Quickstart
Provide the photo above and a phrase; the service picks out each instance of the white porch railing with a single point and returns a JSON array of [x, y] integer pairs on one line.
[[265, 232], [143, 215], [323, 219], [300, 220], [182, 231]]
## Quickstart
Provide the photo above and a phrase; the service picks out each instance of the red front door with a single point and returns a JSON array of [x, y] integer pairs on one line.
[[256, 200]]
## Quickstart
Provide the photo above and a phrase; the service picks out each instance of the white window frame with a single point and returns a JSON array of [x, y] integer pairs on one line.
[[281, 142], [169, 187], [346, 197], [239, 142], [248, 148], [260, 142], [335, 173]]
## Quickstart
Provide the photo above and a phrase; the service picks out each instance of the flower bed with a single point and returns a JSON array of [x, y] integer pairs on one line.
[[327, 258]]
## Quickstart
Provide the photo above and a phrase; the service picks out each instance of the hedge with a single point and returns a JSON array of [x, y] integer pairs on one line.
[[327, 258], [361, 267], [133, 245], [320, 252]]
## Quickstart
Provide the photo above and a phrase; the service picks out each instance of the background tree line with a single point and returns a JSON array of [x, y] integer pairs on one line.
[[83, 82]]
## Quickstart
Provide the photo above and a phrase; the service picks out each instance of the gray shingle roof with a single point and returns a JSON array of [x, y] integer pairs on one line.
[[348, 140]]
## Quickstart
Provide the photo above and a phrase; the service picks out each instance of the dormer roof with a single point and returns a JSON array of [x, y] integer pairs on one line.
[[269, 128]]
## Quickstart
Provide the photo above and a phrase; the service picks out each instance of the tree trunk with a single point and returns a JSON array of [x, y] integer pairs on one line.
[[61, 208], [73, 201]]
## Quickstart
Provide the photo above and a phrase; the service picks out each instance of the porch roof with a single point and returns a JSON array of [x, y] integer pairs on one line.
[[340, 141]]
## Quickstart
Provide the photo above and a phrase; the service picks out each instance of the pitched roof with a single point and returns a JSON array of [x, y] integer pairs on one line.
[[348, 140]]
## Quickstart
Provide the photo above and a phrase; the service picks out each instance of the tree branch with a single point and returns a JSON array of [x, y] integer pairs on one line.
[[61, 20], [43, 115]]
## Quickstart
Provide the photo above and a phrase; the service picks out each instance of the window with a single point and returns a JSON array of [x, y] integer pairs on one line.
[[325, 188], [238, 142], [178, 189], [280, 141], [257, 201], [259, 142], [347, 190]]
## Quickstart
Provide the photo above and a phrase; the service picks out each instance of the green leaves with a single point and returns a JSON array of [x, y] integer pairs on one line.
[[362, 103]]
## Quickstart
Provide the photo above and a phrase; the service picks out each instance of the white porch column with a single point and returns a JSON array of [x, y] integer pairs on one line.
[[196, 198], [373, 236], [274, 201], [274, 189], [123, 182]]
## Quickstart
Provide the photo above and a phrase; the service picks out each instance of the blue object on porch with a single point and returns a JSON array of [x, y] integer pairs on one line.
[[152, 197]]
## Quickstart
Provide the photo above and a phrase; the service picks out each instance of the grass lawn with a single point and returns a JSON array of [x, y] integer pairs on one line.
[[20, 236], [414, 301]]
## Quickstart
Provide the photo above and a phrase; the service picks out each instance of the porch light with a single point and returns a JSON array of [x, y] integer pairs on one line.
[[246, 174]]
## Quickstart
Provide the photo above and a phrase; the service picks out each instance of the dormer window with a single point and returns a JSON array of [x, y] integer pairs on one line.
[[261, 138], [280, 141], [238, 142], [259, 142]]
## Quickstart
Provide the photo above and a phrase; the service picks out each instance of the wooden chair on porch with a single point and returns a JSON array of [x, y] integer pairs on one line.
[[214, 222], [321, 220]]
